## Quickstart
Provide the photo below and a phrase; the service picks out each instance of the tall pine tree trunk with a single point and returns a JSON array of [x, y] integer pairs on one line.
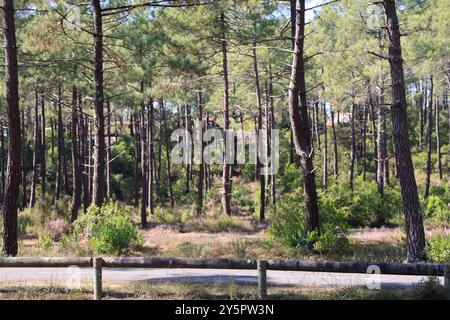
[[99, 121], [76, 172], [12, 182], [43, 151], [226, 204], [298, 111], [36, 149], [166, 141], [438, 143], [351, 171], [201, 167], [335, 148], [415, 235], [325, 148], [429, 139]]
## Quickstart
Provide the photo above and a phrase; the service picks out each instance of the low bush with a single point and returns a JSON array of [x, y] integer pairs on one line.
[[108, 229], [438, 248], [288, 225]]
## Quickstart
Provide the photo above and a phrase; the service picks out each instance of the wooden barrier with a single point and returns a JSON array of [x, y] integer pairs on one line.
[[97, 264]]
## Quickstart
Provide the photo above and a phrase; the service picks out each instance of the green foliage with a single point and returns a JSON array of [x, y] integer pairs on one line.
[[437, 206], [108, 229], [165, 216], [44, 241], [288, 225], [438, 248], [364, 206]]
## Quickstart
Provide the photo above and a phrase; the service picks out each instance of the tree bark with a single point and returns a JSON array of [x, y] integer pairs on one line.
[[325, 148], [150, 124], [429, 139], [298, 111], [61, 149], [36, 152], [201, 167], [272, 126], [43, 151], [335, 148], [415, 234], [351, 171], [166, 135], [262, 180], [226, 204], [99, 121], [144, 168], [438, 144], [15, 144], [108, 151], [76, 171]]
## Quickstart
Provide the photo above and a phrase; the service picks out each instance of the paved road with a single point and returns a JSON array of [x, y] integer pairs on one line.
[[282, 278]]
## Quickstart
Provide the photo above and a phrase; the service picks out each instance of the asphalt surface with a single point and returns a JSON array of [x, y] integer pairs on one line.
[[280, 278]]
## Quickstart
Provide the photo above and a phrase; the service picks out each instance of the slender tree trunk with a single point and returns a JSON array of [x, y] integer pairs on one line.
[[415, 234], [372, 125], [381, 147], [316, 123], [438, 144], [76, 172], [169, 174], [226, 204], [9, 247], [201, 167], [335, 149], [2, 167], [108, 152], [144, 168], [364, 142], [272, 126], [36, 151], [298, 111], [353, 147], [61, 150], [420, 108], [43, 151], [99, 121], [25, 127], [325, 147], [262, 180], [84, 161], [429, 139], [151, 202], [188, 154], [137, 155]]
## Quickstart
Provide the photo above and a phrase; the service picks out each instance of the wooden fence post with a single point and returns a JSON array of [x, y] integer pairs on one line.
[[97, 266], [447, 278], [262, 279]]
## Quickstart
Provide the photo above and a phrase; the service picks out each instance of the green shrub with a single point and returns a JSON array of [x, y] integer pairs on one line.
[[288, 224], [44, 241], [438, 248], [436, 209], [108, 229], [364, 206], [429, 289], [165, 216]]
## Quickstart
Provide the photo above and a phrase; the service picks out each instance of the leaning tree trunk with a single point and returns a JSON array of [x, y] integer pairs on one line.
[[76, 172], [429, 140], [15, 144], [298, 111], [226, 204], [84, 150], [99, 121], [415, 235]]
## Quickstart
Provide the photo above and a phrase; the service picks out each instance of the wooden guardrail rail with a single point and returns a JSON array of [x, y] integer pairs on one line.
[[244, 264]]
